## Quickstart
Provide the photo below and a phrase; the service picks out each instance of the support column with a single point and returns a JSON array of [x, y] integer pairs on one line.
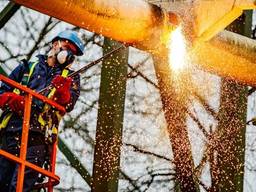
[[110, 120], [175, 107]]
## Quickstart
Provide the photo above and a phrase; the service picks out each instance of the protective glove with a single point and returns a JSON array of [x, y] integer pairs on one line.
[[17, 103], [62, 85], [4, 99]]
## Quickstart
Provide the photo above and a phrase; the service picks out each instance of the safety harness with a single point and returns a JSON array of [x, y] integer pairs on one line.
[[48, 120]]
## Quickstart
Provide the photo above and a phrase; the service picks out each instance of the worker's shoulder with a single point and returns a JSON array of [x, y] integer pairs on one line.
[[40, 59]]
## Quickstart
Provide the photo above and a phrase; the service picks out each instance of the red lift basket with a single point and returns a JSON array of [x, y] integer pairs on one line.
[[21, 160]]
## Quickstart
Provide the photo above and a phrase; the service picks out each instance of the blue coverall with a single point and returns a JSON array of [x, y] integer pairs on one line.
[[37, 148]]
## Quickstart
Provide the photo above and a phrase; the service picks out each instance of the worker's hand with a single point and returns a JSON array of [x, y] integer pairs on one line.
[[17, 103], [4, 99], [62, 85]]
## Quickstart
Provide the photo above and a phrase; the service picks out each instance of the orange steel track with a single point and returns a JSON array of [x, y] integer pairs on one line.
[[21, 160]]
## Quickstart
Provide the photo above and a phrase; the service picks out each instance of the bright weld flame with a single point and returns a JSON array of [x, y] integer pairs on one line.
[[177, 50]]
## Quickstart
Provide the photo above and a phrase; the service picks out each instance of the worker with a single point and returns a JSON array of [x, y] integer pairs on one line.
[[50, 69]]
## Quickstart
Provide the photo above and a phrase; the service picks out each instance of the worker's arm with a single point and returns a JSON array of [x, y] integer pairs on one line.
[[14, 101], [67, 91], [75, 93], [15, 75]]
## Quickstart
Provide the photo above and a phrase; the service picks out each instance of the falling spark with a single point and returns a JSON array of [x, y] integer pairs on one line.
[[177, 48]]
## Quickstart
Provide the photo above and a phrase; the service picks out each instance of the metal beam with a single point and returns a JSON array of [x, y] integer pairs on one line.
[[228, 55], [141, 23], [74, 161], [231, 128], [203, 19], [174, 101], [131, 21], [10, 9], [110, 120]]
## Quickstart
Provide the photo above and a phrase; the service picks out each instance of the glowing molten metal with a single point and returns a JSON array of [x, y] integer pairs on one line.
[[177, 50]]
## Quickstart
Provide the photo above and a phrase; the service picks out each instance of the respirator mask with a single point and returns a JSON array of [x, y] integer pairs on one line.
[[63, 57]]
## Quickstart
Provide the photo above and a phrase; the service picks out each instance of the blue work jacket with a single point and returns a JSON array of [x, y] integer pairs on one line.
[[40, 78]]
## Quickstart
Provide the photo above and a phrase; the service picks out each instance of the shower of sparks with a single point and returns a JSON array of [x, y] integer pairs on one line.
[[177, 48]]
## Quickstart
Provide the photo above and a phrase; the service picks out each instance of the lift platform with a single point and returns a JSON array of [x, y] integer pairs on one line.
[[21, 160]]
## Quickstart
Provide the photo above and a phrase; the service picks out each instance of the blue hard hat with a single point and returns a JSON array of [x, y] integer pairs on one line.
[[73, 38]]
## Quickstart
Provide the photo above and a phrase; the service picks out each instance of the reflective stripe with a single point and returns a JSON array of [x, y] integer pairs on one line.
[[65, 73], [41, 120], [55, 130], [7, 117], [5, 120], [31, 70], [17, 91], [26, 77], [50, 95]]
